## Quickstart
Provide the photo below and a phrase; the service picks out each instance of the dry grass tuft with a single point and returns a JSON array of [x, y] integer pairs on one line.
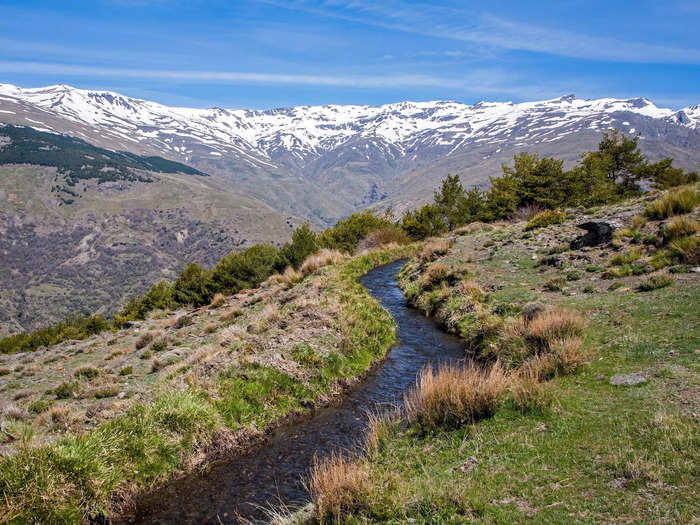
[[526, 213], [231, 334], [144, 340], [383, 237], [675, 202], [474, 227], [291, 276], [338, 487], [471, 289], [320, 259], [436, 273], [453, 395], [435, 247], [554, 325], [680, 227], [218, 301], [529, 393]]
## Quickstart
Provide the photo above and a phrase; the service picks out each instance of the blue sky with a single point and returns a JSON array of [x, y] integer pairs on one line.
[[272, 53]]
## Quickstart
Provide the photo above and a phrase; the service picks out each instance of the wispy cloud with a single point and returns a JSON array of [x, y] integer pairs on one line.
[[481, 28], [231, 77]]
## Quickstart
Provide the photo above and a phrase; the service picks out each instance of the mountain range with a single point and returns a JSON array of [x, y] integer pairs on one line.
[[73, 243], [324, 162]]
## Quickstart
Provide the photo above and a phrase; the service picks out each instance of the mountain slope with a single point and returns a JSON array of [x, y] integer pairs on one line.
[[326, 161], [81, 244]]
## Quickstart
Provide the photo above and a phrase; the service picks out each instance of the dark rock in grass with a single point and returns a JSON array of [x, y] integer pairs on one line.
[[598, 233], [627, 380], [531, 310]]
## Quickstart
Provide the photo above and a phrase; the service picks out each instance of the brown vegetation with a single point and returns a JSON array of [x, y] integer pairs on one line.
[[453, 395]]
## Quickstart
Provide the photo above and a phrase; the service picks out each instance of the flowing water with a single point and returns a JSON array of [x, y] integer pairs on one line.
[[272, 473]]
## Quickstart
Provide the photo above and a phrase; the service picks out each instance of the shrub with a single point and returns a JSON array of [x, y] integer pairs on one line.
[[39, 406], [66, 390], [555, 284], [239, 271], [654, 283], [526, 213], [218, 301], [324, 257], [159, 345], [339, 487], [144, 340], [434, 274], [554, 325], [686, 250], [305, 355], [454, 395], [231, 315], [615, 286], [126, 371], [680, 227], [673, 203], [626, 258], [106, 391], [638, 221], [589, 288], [473, 228], [183, 321], [347, 233], [88, 372], [472, 290], [382, 237], [434, 247], [572, 275], [291, 276], [193, 286], [529, 394], [546, 218], [304, 243]]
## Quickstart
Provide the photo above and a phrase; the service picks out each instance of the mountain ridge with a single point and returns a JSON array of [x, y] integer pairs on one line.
[[325, 162]]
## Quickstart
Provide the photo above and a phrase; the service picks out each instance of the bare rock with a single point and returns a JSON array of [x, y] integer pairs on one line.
[[627, 380], [598, 232]]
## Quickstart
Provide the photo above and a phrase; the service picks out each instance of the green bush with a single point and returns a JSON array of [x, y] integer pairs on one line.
[[39, 406], [546, 218], [66, 390], [126, 371], [347, 233], [88, 372], [654, 283], [304, 243], [193, 286], [673, 203]]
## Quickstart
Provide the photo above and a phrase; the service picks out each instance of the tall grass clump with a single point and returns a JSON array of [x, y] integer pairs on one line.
[[435, 247], [680, 227], [454, 395], [546, 218], [383, 237], [675, 202], [324, 257], [338, 487]]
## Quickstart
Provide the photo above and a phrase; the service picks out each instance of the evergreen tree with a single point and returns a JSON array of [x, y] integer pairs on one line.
[[193, 286], [304, 243]]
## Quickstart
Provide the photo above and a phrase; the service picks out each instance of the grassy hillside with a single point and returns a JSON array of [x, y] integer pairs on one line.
[[548, 434], [85, 421]]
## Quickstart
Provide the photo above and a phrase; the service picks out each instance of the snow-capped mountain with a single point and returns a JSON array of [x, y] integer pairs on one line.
[[349, 156]]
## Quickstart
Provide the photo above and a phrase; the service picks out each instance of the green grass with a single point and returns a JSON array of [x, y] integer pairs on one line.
[[599, 454], [78, 476]]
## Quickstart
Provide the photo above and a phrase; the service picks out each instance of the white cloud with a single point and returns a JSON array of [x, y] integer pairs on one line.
[[484, 29], [231, 77]]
